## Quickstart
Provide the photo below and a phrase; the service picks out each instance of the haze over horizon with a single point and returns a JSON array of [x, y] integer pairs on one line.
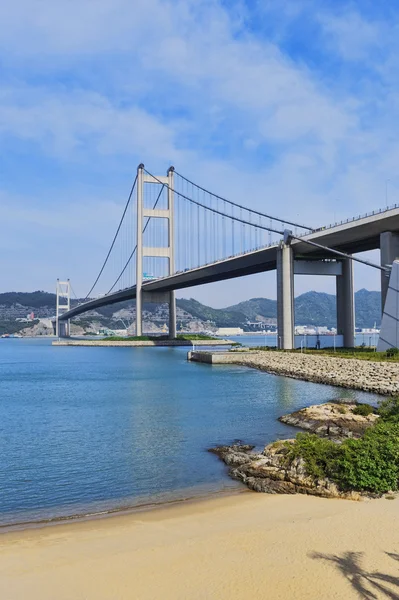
[[291, 109]]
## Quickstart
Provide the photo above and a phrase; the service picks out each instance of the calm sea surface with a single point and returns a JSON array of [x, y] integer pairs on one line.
[[87, 430]]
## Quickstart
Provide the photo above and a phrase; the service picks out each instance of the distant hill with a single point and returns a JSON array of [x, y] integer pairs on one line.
[[31, 299], [368, 308], [256, 307], [311, 308], [222, 317]]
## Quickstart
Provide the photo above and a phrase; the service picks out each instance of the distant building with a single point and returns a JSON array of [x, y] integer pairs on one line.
[[229, 331]]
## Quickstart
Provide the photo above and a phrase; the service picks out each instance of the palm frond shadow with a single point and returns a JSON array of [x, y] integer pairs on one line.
[[368, 584]]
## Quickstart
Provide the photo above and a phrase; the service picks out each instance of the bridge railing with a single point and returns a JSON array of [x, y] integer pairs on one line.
[[352, 219]]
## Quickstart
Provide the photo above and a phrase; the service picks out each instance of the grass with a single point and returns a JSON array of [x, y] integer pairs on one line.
[[360, 352]]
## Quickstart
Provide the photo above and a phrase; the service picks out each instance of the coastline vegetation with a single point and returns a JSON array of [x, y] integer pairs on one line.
[[360, 352], [368, 464]]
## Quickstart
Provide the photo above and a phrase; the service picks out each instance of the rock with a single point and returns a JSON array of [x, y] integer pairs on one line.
[[343, 401], [234, 459], [329, 419], [270, 486], [237, 447]]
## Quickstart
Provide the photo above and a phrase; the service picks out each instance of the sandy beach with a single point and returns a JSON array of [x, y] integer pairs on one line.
[[237, 547]]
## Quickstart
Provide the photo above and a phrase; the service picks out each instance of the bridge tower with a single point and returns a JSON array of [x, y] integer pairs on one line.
[[168, 252], [63, 304]]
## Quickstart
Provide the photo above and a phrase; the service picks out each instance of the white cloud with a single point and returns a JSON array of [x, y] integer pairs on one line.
[[352, 36], [81, 121], [106, 84]]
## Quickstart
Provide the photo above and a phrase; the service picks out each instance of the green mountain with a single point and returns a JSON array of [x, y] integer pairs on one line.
[[255, 307], [316, 308], [368, 308], [32, 299], [222, 317]]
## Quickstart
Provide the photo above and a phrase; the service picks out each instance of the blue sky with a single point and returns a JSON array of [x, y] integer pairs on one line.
[[291, 104]]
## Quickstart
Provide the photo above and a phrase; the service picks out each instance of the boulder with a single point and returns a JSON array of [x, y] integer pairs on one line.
[[332, 419]]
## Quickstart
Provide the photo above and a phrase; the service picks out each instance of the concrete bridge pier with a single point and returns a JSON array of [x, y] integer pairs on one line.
[[139, 313], [61, 329], [285, 297], [346, 303], [158, 298], [172, 315]]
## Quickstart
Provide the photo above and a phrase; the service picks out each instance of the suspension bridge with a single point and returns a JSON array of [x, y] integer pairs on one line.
[[174, 233]]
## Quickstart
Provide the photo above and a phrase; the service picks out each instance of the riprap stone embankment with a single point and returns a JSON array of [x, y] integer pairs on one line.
[[377, 377]]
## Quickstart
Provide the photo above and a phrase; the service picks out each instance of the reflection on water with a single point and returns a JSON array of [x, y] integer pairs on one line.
[[86, 430]]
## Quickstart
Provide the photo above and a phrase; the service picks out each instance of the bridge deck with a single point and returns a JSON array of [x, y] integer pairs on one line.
[[353, 236]]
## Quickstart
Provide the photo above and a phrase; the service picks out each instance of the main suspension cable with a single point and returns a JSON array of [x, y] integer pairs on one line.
[[216, 211], [256, 212], [114, 240]]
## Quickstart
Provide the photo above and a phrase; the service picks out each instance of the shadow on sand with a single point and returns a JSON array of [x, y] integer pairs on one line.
[[370, 585]]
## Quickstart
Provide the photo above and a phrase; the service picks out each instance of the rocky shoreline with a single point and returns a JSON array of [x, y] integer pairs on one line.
[[377, 377], [269, 472], [273, 471]]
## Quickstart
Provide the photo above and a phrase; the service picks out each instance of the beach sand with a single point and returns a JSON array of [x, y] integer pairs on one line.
[[247, 546]]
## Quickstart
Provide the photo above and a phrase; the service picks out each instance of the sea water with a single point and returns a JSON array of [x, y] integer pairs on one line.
[[87, 430]]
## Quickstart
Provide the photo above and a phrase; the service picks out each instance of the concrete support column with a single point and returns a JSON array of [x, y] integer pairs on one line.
[[139, 251], [63, 329], [172, 316], [285, 297], [346, 304], [389, 251]]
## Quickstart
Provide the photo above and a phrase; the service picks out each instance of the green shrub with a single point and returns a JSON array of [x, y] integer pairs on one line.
[[389, 409], [370, 463], [392, 352], [363, 409], [319, 453], [342, 410]]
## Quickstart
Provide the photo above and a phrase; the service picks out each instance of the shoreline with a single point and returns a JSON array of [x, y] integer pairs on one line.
[[253, 546], [142, 343], [375, 377], [115, 513]]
